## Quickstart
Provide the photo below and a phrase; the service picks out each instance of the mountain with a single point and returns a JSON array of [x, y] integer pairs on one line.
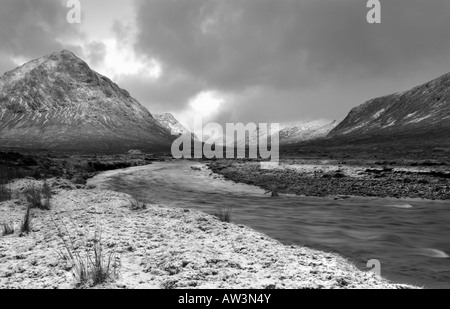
[[58, 103], [296, 132], [169, 122], [422, 113]]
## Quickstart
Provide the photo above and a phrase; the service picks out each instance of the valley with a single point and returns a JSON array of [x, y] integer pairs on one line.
[[384, 170]]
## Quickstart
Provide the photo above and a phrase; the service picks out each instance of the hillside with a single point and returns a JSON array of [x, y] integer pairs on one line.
[[422, 113], [295, 132], [169, 122], [58, 103]]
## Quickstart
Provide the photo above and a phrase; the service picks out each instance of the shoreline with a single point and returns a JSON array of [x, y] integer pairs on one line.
[[163, 247], [340, 181]]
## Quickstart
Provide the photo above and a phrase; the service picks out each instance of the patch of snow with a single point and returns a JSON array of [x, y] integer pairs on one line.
[[46, 119], [378, 114], [355, 128], [410, 115], [419, 119], [390, 124]]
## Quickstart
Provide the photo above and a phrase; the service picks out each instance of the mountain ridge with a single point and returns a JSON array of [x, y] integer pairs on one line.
[[58, 102], [294, 132], [422, 111]]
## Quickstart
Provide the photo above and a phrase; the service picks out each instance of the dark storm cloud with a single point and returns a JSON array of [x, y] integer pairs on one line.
[[170, 93], [31, 28], [276, 59], [256, 42], [412, 32], [296, 50], [230, 44]]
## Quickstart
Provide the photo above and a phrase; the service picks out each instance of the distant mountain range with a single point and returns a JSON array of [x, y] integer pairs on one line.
[[294, 132], [420, 113], [58, 103]]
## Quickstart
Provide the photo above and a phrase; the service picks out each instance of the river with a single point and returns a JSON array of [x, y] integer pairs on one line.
[[410, 238]]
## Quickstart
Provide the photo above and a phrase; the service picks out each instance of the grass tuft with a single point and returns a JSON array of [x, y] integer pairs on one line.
[[5, 191], [90, 264], [47, 193], [25, 226], [7, 229], [136, 204], [35, 196], [223, 214]]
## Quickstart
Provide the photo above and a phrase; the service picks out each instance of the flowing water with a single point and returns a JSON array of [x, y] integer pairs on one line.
[[410, 238]]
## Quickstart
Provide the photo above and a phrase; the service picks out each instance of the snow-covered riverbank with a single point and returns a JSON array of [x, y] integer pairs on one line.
[[162, 247]]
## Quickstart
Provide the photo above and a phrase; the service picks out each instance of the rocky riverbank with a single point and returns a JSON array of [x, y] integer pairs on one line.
[[332, 178], [158, 247]]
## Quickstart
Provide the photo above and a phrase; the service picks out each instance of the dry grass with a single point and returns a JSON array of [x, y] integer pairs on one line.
[[5, 191], [47, 194], [7, 229], [25, 226], [90, 264], [223, 214], [136, 204], [6, 176], [35, 196]]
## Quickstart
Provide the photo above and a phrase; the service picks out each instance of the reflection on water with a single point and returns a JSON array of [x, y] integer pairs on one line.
[[409, 238]]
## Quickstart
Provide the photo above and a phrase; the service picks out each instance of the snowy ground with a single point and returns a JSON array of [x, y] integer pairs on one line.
[[160, 247]]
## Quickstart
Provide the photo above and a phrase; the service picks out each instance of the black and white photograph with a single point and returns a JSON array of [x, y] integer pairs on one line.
[[225, 150]]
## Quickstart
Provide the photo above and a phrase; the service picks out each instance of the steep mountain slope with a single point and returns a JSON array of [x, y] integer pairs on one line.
[[296, 132], [169, 122], [57, 102], [422, 112]]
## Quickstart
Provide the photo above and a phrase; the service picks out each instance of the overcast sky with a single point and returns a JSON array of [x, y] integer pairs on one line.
[[240, 60]]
